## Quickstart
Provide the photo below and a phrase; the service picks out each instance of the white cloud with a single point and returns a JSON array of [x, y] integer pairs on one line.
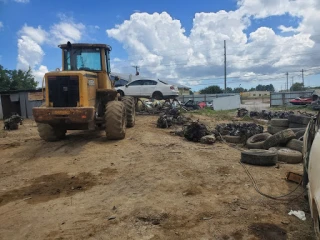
[[31, 41], [30, 53], [37, 34], [96, 27], [287, 29], [22, 1], [159, 45], [1, 26]]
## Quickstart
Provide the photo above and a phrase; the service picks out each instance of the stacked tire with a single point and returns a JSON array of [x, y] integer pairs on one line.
[[267, 149], [278, 125], [298, 121]]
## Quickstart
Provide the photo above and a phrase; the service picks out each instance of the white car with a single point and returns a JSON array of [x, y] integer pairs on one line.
[[155, 89], [311, 178]]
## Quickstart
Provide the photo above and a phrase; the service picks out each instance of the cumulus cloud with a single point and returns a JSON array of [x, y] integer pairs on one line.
[[32, 39], [160, 46]]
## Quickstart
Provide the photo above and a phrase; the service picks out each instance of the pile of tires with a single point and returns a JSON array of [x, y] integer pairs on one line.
[[267, 149], [295, 122]]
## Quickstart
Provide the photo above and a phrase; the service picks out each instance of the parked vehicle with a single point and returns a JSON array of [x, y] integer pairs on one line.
[[301, 101], [155, 89], [311, 178]]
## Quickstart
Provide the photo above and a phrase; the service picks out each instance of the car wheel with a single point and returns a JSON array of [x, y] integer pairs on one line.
[[157, 95], [121, 93]]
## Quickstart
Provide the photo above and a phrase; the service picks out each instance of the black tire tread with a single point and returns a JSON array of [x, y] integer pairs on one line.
[[49, 133], [130, 110], [279, 138], [279, 122], [300, 119], [256, 141], [259, 157], [115, 117], [295, 144]]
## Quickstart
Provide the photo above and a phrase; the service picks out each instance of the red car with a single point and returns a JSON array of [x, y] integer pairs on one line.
[[301, 101]]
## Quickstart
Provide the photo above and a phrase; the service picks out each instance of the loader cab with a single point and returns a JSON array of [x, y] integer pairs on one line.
[[86, 57]]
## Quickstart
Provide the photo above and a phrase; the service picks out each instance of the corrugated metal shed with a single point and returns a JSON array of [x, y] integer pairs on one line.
[[20, 102]]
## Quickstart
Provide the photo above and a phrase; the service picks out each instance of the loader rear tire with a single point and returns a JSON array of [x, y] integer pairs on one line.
[[130, 110], [49, 133], [115, 118]]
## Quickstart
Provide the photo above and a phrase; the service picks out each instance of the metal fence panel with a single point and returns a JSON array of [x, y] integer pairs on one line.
[[204, 97], [283, 98]]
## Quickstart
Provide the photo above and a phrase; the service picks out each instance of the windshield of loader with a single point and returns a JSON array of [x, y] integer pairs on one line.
[[82, 59]]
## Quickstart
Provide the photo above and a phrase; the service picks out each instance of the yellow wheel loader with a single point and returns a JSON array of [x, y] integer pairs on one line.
[[82, 97]]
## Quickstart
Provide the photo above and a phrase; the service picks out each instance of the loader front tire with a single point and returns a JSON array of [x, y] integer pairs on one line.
[[115, 118], [130, 110], [49, 133]]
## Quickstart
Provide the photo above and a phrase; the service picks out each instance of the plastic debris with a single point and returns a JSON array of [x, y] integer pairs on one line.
[[299, 214]]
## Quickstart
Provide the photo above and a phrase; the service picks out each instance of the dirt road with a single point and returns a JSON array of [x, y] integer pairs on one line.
[[152, 185]]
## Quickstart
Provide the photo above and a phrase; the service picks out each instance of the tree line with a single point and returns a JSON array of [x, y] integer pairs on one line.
[[16, 79], [214, 89]]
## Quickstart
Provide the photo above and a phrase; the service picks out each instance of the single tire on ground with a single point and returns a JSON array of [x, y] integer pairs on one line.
[[274, 130], [130, 110], [279, 138], [297, 125], [279, 122], [300, 134], [49, 133], [287, 155], [232, 139], [259, 157], [300, 119], [295, 144], [256, 141], [115, 118]]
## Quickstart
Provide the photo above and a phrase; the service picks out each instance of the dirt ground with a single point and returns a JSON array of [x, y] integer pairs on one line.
[[151, 185]]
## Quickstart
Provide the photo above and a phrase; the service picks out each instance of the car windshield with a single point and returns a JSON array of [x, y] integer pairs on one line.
[[82, 59]]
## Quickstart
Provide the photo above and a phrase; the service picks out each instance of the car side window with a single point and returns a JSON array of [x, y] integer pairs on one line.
[[136, 83], [149, 82]]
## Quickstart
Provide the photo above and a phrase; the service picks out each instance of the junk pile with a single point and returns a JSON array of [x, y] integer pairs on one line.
[[267, 149], [238, 132], [295, 122], [12, 123], [171, 117], [264, 114]]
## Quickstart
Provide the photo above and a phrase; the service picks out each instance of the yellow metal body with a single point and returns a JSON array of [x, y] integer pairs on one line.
[[93, 86]]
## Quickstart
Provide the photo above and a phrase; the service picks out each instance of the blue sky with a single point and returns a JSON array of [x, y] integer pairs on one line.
[[252, 28]]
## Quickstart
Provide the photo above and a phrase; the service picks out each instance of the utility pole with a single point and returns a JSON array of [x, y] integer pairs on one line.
[[302, 71], [287, 81], [225, 67], [136, 67]]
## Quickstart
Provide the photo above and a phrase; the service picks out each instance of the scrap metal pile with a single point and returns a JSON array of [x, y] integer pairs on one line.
[[12, 123], [171, 117], [239, 129], [264, 114]]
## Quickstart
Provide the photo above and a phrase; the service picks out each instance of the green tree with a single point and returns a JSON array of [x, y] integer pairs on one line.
[[190, 92], [269, 88], [16, 79], [229, 90], [211, 90], [239, 90], [297, 87]]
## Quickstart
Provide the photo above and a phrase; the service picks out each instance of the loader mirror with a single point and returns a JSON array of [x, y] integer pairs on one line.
[[126, 85]]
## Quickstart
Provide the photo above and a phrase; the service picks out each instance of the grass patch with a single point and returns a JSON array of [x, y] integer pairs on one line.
[[292, 108], [219, 115]]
